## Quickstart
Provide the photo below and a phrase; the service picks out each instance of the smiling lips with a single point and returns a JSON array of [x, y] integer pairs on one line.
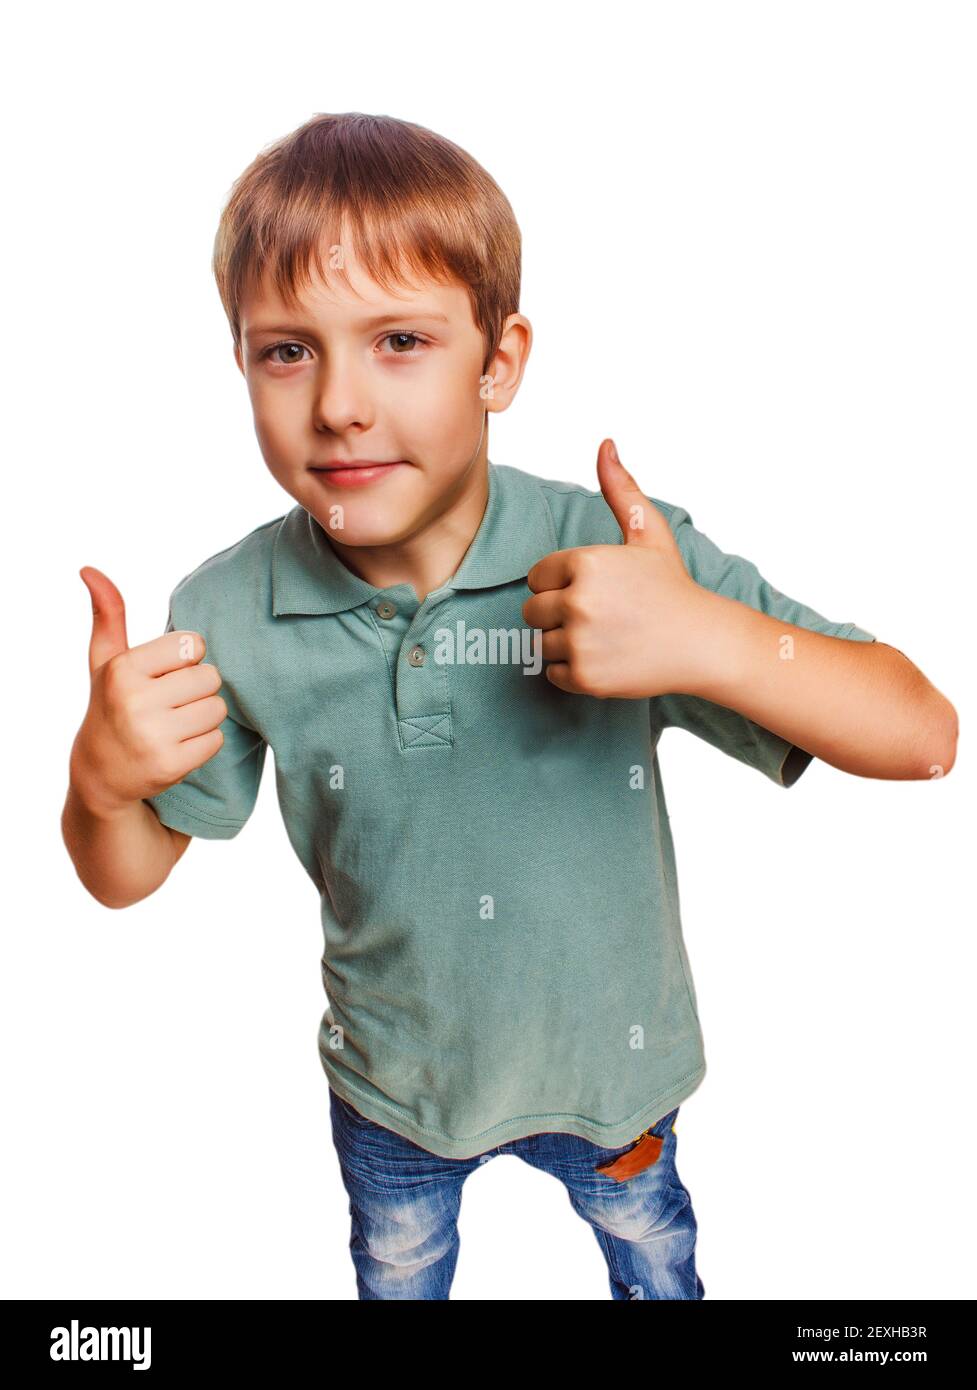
[[355, 472]]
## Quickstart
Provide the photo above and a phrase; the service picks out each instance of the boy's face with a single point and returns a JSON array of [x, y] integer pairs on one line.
[[393, 380]]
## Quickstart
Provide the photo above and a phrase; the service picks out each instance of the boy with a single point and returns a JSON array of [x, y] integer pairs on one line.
[[503, 952]]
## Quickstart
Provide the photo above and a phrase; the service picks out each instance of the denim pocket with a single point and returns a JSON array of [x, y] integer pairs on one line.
[[643, 1152]]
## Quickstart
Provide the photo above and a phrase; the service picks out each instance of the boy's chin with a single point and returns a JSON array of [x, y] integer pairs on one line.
[[359, 523], [359, 538]]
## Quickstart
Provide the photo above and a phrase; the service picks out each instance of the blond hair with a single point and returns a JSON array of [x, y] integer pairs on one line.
[[413, 203]]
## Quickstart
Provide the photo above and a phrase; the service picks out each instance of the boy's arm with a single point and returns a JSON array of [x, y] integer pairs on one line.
[[124, 852], [121, 856], [179, 839], [669, 617], [826, 688], [151, 716], [861, 706]]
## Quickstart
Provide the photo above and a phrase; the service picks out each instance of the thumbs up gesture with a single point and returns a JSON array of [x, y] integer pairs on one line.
[[153, 712], [624, 621]]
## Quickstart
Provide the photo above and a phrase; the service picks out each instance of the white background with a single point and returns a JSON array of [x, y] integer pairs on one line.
[[749, 237]]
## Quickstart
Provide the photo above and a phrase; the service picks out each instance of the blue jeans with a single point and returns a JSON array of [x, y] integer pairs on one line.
[[404, 1203]]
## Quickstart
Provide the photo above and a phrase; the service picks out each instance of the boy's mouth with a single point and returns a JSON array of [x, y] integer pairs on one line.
[[355, 472]]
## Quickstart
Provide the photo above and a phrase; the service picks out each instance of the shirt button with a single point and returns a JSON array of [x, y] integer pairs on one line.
[[416, 656], [386, 609]]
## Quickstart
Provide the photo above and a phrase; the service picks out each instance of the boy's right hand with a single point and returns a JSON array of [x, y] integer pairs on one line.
[[153, 714]]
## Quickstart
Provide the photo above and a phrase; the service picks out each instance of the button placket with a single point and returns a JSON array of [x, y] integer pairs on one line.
[[391, 620], [423, 704]]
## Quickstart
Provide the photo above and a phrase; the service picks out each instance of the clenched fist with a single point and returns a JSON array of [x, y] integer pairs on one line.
[[154, 711]]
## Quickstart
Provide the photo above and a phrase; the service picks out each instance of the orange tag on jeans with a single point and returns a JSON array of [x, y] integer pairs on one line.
[[643, 1155]]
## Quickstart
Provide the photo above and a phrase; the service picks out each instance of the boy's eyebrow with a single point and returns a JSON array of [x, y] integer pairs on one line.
[[375, 321]]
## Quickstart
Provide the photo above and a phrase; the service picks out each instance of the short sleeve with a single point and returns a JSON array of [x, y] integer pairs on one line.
[[214, 801], [730, 732]]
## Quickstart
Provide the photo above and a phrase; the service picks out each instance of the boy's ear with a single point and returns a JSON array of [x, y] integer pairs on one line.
[[507, 366]]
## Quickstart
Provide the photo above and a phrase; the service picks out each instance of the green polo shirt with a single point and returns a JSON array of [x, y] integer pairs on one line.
[[503, 951]]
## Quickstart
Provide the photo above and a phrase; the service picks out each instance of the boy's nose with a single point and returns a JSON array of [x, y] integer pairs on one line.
[[343, 398]]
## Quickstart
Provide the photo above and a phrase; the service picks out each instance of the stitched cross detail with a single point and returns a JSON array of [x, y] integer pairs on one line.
[[426, 731]]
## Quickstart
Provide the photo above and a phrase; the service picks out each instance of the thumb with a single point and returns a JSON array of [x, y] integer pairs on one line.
[[639, 519], [108, 619]]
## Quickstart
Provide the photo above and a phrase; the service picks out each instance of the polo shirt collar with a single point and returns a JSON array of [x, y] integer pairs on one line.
[[516, 530]]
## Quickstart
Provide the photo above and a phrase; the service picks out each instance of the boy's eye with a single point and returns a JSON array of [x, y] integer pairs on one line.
[[281, 347], [402, 348], [398, 338]]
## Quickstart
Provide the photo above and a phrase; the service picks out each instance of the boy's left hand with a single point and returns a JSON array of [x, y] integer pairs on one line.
[[624, 621]]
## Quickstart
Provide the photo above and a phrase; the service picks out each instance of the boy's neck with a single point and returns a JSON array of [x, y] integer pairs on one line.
[[429, 558]]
